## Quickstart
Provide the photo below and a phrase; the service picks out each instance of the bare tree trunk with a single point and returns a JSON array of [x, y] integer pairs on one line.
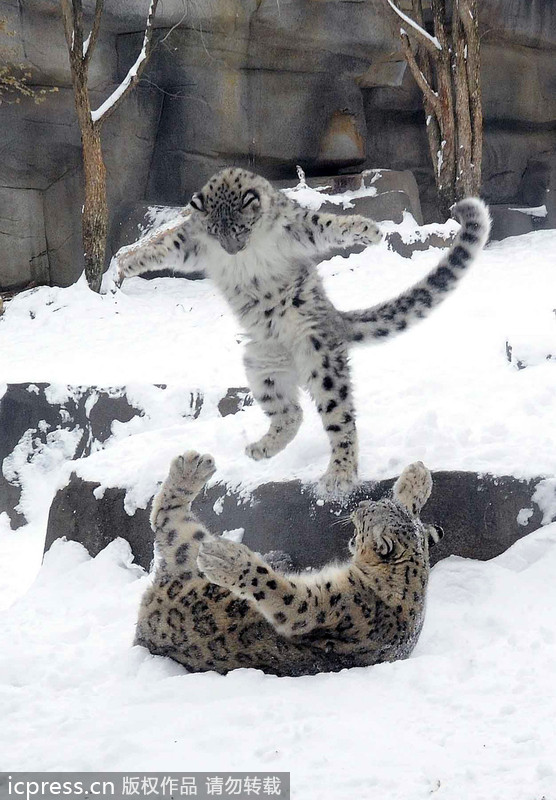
[[469, 17], [95, 208], [94, 217], [445, 169], [447, 70]]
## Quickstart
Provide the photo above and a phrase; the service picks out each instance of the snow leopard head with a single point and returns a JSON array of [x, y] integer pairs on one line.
[[230, 205], [390, 528]]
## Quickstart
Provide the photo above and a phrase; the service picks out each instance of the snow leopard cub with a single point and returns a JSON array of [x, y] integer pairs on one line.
[[261, 249], [216, 605]]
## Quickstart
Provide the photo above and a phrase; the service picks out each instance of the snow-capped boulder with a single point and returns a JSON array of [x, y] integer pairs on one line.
[[481, 515]]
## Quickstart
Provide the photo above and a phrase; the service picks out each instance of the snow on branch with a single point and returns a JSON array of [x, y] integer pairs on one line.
[[133, 74], [429, 40]]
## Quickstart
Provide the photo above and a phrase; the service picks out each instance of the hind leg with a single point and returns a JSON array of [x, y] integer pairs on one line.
[[274, 383], [177, 530], [323, 362]]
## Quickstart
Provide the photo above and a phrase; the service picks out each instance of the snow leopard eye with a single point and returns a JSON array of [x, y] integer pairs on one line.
[[248, 198], [198, 202]]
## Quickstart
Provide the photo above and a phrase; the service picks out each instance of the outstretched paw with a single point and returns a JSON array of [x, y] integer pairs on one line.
[[223, 561], [190, 471], [413, 487]]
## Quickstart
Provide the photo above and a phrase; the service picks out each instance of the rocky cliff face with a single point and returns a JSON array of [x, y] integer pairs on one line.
[[258, 83]]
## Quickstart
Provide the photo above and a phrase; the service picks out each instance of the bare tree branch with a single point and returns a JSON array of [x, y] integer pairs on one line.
[[430, 42], [90, 43], [134, 73], [77, 43], [67, 18], [421, 81]]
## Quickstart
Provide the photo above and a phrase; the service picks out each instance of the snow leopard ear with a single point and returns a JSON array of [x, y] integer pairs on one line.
[[435, 533], [198, 202], [249, 196]]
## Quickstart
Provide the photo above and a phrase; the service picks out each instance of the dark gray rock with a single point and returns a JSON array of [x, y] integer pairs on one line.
[[528, 22], [24, 257], [388, 180], [30, 413], [39, 37], [381, 207], [478, 513], [517, 87], [406, 249], [78, 515], [41, 151], [270, 121], [507, 222], [235, 400], [396, 140], [26, 409], [392, 84], [535, 183], [507, 154], [331, 37], [40, 143], [63, 229]]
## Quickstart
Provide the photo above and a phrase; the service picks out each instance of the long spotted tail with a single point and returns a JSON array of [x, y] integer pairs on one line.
[[394, 316]]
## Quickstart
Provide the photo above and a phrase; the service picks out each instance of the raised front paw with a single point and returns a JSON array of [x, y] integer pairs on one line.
[[413, 487], [223, 562], [190, 471]]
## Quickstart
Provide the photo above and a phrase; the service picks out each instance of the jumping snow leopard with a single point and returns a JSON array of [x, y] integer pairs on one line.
[[261, 249], [216, 605]]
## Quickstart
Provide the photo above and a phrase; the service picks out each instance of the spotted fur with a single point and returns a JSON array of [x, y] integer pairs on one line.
[[216, 605], [261, 248]]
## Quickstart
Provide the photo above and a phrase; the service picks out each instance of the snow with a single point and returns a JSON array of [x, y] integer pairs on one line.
[[421, 31], [533, 211], [480, 412], [443, 392], [314, 198], [470, 714]]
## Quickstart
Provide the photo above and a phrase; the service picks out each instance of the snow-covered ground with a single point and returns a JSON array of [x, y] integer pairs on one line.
[[469, 715]]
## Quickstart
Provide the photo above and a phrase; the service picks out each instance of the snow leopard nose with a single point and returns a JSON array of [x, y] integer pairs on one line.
[[230, 243]]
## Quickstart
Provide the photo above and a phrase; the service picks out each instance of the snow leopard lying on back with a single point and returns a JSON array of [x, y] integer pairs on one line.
[[260, 248], [216, 605]]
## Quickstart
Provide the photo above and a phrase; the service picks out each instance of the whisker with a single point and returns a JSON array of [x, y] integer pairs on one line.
[[342, 521]]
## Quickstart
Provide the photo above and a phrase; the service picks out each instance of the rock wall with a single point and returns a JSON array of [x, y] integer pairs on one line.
[[258, 83]]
